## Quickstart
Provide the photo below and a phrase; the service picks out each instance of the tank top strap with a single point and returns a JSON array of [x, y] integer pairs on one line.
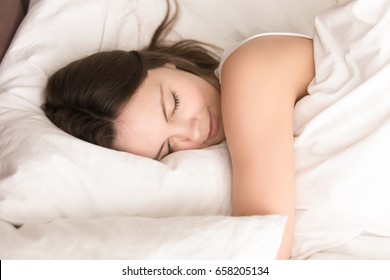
[[227, 52]]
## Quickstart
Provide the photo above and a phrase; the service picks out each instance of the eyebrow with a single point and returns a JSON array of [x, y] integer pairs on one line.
[[165, 117]]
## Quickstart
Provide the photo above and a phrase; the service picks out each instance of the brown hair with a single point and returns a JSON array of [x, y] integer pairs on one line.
[[85, 97]]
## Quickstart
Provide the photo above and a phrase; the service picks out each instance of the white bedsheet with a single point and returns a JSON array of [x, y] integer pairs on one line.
[[64, 190], [343, 132], [342, 141], [120, 238]]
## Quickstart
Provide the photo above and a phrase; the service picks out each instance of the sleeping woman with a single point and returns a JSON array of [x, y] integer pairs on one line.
[[170, 97]]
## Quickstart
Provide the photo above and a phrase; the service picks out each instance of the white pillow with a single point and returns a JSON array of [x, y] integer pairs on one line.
[[202, 237], [47, 174]]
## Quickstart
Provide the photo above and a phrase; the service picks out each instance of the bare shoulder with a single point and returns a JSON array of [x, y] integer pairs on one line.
[[261, 81], [288, 59], [274, 46]]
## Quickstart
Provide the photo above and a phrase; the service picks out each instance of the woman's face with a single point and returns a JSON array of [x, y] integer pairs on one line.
[[172, 110]]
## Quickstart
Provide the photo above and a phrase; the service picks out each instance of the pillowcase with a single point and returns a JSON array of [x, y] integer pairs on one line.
[[127, 238], [46, 174]]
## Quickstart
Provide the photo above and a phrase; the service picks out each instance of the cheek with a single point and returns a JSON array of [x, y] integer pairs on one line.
[[195, 101], [197, 94]]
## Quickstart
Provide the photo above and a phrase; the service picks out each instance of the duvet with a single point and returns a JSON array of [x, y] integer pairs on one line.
[[61, 198]]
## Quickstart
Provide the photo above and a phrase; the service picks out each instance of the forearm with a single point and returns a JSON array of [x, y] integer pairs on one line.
[[265, 185]]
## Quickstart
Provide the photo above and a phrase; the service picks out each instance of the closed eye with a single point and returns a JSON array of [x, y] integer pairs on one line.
[[176, 101], [170, 150]]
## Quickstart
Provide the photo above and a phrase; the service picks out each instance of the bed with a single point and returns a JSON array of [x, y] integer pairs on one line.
[[62, 198]]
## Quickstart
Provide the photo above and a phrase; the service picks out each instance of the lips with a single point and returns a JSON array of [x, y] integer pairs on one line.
[[213, 127]]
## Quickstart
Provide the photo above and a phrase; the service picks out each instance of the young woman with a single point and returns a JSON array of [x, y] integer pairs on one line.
[[166, 98]]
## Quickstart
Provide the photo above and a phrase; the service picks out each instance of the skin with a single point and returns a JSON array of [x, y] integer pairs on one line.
[[162, 125], [261, 82]]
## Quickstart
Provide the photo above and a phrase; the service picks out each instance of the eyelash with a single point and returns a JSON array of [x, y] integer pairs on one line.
[[170, 151], [176, 100], [175, 108]]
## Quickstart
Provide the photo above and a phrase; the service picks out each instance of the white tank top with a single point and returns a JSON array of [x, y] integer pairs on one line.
[[235, 46]]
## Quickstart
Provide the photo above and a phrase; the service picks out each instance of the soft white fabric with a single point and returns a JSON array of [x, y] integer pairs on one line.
[[204, 237], [342, 130], [46, 175], [364, 247], [343, 133]]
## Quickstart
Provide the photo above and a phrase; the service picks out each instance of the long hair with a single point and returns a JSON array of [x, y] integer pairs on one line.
[[85, 97]]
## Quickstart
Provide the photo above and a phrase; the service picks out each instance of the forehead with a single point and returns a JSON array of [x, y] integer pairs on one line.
[[139, 124]]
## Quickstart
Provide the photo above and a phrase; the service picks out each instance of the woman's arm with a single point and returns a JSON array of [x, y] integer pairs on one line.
[[261, 82]]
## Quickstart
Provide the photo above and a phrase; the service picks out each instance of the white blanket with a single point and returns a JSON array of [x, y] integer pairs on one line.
[[342, 142], [343, 132], [73, 197]]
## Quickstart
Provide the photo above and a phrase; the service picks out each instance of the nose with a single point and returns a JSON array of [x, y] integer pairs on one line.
[[186, 134]]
